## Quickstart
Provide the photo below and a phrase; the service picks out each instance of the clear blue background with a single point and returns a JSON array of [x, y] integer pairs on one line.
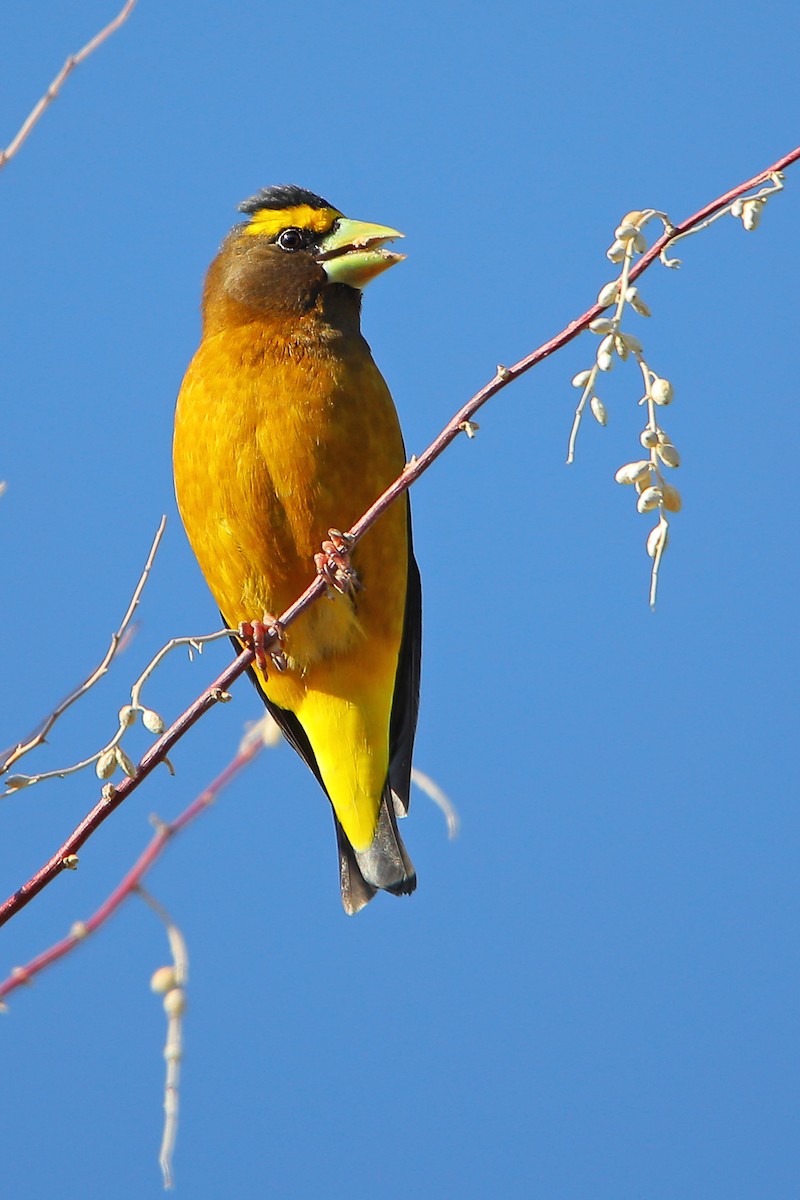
[[593, 992]]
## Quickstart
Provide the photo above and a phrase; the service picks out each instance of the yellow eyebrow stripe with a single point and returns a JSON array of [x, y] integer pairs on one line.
[[269, 221]]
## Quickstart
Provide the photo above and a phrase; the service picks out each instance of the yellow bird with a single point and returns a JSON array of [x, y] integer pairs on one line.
[[285, 430]]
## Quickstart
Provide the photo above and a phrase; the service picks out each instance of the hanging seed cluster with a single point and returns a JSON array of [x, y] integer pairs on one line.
[[648, 473]]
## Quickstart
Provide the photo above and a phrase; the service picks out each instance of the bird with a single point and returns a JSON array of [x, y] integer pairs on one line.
[[285, 433]]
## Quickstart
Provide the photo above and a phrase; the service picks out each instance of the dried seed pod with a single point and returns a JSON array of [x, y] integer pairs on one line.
[[13, 783], [106, 765], [640, 243], [642, 484], [658, 539], [636, 302], [608, 293], [632, 343], [649, 438], [581, 379], [152, 721], [751, 214], [621, 346], [601, 325], [163, 980], [737, 206], [605, 361], [668, 454], [672, 498], [650, 498], [633, 471], [175, 1002], [616, 251], [598, 410], [663, 437], [661, 391], [127, 716], [127, 764], [633, 217], [626, 231]]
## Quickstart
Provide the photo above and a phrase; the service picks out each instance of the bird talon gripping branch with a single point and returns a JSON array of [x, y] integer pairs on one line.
[[333, 563], [258, 635]]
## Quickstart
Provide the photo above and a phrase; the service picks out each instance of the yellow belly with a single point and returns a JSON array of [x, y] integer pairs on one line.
[[274, 445]]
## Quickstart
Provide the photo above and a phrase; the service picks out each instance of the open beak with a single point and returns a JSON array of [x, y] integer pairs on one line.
[[353, 252]]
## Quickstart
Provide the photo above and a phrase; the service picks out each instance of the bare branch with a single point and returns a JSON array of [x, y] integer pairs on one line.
[[252, 743], [66, 856], [170, 982], [39, 737], [69, 66]]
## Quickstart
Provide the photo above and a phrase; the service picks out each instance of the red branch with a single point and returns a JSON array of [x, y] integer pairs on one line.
[[114, 796], [250, 747]]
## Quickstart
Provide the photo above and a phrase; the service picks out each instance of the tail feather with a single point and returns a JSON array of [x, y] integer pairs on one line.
[[356, 892], [384, 864]]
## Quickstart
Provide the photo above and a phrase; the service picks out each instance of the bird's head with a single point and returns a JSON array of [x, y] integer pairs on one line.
[[293, 248]]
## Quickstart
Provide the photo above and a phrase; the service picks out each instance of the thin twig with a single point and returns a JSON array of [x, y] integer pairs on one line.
[[66, 856], [173, 987], [38, 738], [250, 746], [442, 801], [69, 66]]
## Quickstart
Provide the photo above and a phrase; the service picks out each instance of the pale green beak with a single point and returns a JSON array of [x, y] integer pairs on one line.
[[353, 253]]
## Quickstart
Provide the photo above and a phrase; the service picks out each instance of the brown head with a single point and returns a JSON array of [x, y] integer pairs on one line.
[[295, 254]]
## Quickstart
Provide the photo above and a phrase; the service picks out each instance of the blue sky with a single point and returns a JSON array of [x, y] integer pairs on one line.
[[593, 992]]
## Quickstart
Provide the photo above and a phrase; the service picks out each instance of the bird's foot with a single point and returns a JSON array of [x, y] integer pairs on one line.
[[265, 638], [334, 565]]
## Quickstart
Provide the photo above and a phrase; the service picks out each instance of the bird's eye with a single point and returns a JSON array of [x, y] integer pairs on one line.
[[291, 239]]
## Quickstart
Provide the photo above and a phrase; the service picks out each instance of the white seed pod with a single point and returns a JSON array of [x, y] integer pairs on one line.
[[638, 305], [127, 764], [737, 206], [608, 293], [661, 391], [650, 498], [175, 1002], [642, 484], [607, 344], [640, 243], [625, 231], [601, 325], [658, 539], [668, 454], [621, 346], [106, 764], [581, 379], [13, 783], [127, 716], [605, 361], [649, 438], [751, 214], [672, 498], [663, 437], [152, 721], [632, 471], [163, 980], [616, 252], [632, 343], [598, 410]]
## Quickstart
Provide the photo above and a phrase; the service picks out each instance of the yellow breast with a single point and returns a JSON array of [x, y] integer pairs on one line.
[[278, 439]]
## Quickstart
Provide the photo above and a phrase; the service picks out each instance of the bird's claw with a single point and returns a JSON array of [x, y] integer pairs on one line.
[[265, 638], [333, 563]]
